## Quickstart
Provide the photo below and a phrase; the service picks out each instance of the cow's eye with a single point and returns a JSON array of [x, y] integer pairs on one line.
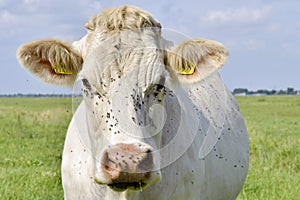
[[88, 90], [154, 88], [157, 90], [86, 84]]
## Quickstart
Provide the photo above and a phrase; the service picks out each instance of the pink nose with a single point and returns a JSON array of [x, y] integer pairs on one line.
[[127, 164]]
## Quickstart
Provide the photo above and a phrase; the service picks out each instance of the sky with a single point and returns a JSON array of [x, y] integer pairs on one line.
[[263, 37]]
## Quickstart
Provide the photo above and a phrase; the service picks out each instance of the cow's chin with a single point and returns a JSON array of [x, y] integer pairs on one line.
[[120, 187], [134, 186]]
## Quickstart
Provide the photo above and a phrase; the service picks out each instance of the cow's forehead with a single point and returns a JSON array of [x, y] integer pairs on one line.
[[133, 67], [123, 43]]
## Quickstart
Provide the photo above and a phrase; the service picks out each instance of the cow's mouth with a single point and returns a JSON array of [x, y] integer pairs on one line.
[[119, 187]]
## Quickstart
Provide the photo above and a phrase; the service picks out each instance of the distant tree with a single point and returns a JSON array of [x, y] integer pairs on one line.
[[282, 92], [290, 91], [240, 91], [273, 92]]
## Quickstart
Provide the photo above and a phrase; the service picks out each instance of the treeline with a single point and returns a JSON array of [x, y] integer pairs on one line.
[[237, 92], [35, 95], [244, 91]]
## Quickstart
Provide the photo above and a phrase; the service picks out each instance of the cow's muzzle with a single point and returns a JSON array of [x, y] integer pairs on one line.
[[126, 166]]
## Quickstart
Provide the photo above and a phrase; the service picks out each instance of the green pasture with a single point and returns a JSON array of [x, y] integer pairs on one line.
[[32, 132], [273, 124]]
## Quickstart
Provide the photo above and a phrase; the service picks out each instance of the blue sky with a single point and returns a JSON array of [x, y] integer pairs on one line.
[[263, 37]]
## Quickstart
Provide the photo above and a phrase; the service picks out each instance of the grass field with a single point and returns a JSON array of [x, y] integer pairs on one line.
[[32, 134], [274, 130]]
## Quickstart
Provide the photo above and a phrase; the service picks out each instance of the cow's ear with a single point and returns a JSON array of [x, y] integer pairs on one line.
[[50, 60], [194, 60]]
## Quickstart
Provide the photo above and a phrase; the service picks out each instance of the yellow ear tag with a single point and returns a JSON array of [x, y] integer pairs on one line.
[[60, 70], [188, 70]]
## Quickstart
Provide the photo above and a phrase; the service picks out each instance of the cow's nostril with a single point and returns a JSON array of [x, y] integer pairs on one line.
[[146, 164], [109, 166]]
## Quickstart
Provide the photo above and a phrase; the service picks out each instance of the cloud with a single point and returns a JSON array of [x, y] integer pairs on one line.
[[48, 18], [95, 6], [3, 3], [7, 17], [31, 2], [275, 27], [241, 15], [291, 48], [254, 44]]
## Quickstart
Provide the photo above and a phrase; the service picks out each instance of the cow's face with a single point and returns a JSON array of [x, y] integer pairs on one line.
[[123, 68], [123, 78], [125, 115]]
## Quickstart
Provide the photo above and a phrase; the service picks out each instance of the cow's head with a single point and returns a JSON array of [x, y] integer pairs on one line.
[[123, 66]]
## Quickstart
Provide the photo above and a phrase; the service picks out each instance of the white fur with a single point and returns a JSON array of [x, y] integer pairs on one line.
[[219, 175], [194, 129]]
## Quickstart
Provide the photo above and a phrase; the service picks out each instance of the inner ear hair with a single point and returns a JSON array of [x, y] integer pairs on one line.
[[194, 60], [51, 60]]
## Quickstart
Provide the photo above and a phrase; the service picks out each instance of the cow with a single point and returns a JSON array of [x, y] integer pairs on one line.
[[156, 120]]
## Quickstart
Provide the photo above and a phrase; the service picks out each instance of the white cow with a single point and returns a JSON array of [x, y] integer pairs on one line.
[[155, 123]]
